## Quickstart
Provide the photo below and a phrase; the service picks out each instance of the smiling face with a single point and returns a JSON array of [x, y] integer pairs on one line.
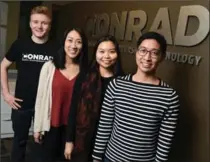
[[106, 54], [40, 25], [73, 44], [148, 56]]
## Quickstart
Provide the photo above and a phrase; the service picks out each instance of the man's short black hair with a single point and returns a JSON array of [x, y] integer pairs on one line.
[[156, 36]]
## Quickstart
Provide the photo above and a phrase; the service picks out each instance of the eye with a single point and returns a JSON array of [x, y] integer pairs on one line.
[[154, 53], [45, 23], [143, 51], [79, 42], [35, 21], [112, 51], [101, 51]]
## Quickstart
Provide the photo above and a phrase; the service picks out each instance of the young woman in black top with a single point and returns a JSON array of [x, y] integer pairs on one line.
[[88, 96]]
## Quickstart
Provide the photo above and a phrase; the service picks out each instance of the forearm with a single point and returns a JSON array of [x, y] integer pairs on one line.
[[72, 117], [103, 132], [4, 79], [70, 134], [165, 139], [71, 126], [105, 123], [167, 130]]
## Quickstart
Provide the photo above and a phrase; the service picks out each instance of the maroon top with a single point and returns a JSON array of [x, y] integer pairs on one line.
[[62, 89]]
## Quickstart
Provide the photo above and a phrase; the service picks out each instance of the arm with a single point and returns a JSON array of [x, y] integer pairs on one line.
[[105, 123], [38, 116], [9, 98], [167, 129], [71, 127]]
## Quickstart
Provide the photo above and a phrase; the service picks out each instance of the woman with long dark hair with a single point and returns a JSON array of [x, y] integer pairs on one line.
[[54, 97], [86, 103]]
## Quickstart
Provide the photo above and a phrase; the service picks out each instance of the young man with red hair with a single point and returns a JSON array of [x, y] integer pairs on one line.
[[29, 54]]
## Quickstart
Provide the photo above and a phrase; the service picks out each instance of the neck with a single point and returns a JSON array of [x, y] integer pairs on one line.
[[105, 72], [151, 78], [69, 62], [39, 40]]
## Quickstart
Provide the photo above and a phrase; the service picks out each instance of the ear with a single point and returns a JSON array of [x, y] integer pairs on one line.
[[50, 26], [136, 54], [161, 59], [30, 23]]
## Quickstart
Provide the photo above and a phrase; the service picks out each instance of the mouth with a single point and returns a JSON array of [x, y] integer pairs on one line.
[[39, 31], [107, 61], [146, 65], [73, 52]]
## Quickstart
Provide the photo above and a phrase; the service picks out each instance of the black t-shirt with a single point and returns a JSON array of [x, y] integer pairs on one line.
[[29, 57]]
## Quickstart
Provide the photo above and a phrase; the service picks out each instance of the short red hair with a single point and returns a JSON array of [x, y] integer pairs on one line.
[[42, 10]]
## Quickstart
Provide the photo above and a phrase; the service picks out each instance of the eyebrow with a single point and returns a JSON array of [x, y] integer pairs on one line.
[[149, 49], [73, 38], [105, 49]]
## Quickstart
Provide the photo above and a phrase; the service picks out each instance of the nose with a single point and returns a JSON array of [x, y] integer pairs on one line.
[[73, 44], [147, 56], [39, 25], [106, 55]]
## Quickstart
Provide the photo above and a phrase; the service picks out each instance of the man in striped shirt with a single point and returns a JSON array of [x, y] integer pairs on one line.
[[139, 112]]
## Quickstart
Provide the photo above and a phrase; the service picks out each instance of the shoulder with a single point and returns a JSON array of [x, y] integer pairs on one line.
[[81, 77], [120, 79], [48, 65], [124, 77], [23, 41], [166, 86], [54, 44], [18, 42], [47, 69]]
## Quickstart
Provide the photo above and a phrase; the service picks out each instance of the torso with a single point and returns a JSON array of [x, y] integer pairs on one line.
[[62, 89], [29, 61]]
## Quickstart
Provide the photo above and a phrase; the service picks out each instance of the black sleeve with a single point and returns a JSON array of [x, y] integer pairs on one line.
[[13, 53], [71, 127]]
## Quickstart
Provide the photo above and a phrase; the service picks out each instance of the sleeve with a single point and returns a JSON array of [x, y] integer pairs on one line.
[[71, 126], [167, 129], [105, 123], [38, 112], [13, 52]]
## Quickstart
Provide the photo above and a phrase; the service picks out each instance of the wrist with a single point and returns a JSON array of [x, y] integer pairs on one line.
[[96, 160], [5, 92], [69, 143]]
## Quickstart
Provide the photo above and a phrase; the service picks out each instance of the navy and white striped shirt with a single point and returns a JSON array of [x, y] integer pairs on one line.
[[137, 121]]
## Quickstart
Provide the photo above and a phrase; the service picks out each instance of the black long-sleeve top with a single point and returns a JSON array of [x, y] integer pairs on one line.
[[76, 98]]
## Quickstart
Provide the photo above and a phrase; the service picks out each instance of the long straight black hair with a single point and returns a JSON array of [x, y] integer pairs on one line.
[[89, 106], [82, 59]]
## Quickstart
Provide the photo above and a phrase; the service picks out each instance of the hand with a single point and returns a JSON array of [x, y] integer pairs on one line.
[[37, 137], [68, 150], [96, 161], [11, 101]]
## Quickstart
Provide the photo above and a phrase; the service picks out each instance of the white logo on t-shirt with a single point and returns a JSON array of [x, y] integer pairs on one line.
[[35, 57]]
